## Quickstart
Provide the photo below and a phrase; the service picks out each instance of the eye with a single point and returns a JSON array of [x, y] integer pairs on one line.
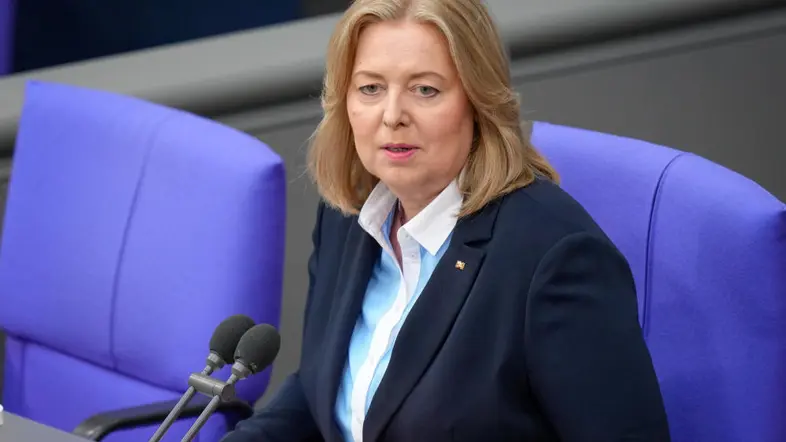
[[369, 89], [426, 91]]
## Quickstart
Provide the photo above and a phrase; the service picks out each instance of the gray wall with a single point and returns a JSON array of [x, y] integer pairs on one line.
[[313, 8], [712, 84]]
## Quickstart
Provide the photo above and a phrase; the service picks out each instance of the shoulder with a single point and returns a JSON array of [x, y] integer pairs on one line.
[[545, 207], [331, 220], [540, 216], [332, 227]]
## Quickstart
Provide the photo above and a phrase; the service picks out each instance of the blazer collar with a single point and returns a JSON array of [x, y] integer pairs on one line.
[[430, 228], [431, 318], [424, 330], [356, 265]]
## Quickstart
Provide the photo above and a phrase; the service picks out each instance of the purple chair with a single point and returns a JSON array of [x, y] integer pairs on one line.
[[131, 231], [708, 251], [6, 35]]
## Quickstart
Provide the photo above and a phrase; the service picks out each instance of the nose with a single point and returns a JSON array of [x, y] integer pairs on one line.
[[394, 114]]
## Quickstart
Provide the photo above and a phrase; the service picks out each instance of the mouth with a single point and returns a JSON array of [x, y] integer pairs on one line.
[[399, 148]]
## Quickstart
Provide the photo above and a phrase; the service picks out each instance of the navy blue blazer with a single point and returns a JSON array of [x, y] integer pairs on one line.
[[536, 338]]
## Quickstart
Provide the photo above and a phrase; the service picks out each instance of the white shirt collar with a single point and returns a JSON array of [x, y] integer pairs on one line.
[[430, 228]]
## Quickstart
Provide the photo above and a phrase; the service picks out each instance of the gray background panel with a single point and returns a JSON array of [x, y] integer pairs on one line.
[[244, 70]]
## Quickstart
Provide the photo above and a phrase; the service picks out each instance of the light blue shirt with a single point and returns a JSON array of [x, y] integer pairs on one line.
[[386, 304]]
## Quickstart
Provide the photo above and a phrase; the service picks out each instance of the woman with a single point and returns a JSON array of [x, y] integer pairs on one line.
[[456, 293]]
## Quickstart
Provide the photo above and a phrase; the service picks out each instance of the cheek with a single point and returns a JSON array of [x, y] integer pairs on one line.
[[452, 128], [363, 130], [361, 119]]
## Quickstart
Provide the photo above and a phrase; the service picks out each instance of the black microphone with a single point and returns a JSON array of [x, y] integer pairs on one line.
[[255, 352], [223, 343]]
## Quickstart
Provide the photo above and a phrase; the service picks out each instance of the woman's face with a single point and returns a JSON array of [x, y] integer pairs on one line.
[[411, 119]]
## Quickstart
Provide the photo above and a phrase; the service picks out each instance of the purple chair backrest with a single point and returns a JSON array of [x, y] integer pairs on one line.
[[707, 247], [6, 35], [131, 231]]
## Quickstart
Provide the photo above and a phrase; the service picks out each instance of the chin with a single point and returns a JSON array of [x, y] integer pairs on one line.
[[396, 181]]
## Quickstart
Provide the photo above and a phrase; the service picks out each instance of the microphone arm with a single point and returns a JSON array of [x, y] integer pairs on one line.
[[256, 350], [228, 393], [213, 362]]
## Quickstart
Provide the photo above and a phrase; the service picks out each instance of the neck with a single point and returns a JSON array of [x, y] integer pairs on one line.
[[412, 203], [407, 211]]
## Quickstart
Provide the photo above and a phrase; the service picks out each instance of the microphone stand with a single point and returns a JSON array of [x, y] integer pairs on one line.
[[213, 361], [256, 350], [221, 392]]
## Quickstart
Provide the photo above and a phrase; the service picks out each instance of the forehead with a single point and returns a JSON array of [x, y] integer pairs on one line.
[[403, 46]]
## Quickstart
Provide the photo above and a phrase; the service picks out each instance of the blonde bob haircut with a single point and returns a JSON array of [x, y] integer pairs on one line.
[[502, 157]]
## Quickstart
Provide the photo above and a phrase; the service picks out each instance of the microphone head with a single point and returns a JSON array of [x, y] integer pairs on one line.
[[227, 336], [258, 347]]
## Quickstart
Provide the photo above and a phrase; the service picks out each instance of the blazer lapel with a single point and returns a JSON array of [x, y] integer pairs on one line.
[[357, 262], [430, 319]]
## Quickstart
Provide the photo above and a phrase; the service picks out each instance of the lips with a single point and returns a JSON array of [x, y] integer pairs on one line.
[[399, 148], [399, 152]]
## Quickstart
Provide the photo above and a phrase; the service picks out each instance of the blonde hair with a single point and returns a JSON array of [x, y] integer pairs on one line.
[[502, 158]]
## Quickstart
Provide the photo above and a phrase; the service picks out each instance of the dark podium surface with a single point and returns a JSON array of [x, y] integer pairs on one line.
[[19, 429]]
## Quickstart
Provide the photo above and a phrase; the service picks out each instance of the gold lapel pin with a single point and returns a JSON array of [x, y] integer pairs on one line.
[[460, 265]]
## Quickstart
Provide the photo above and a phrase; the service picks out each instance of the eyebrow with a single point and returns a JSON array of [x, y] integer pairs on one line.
[[420, 74]]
